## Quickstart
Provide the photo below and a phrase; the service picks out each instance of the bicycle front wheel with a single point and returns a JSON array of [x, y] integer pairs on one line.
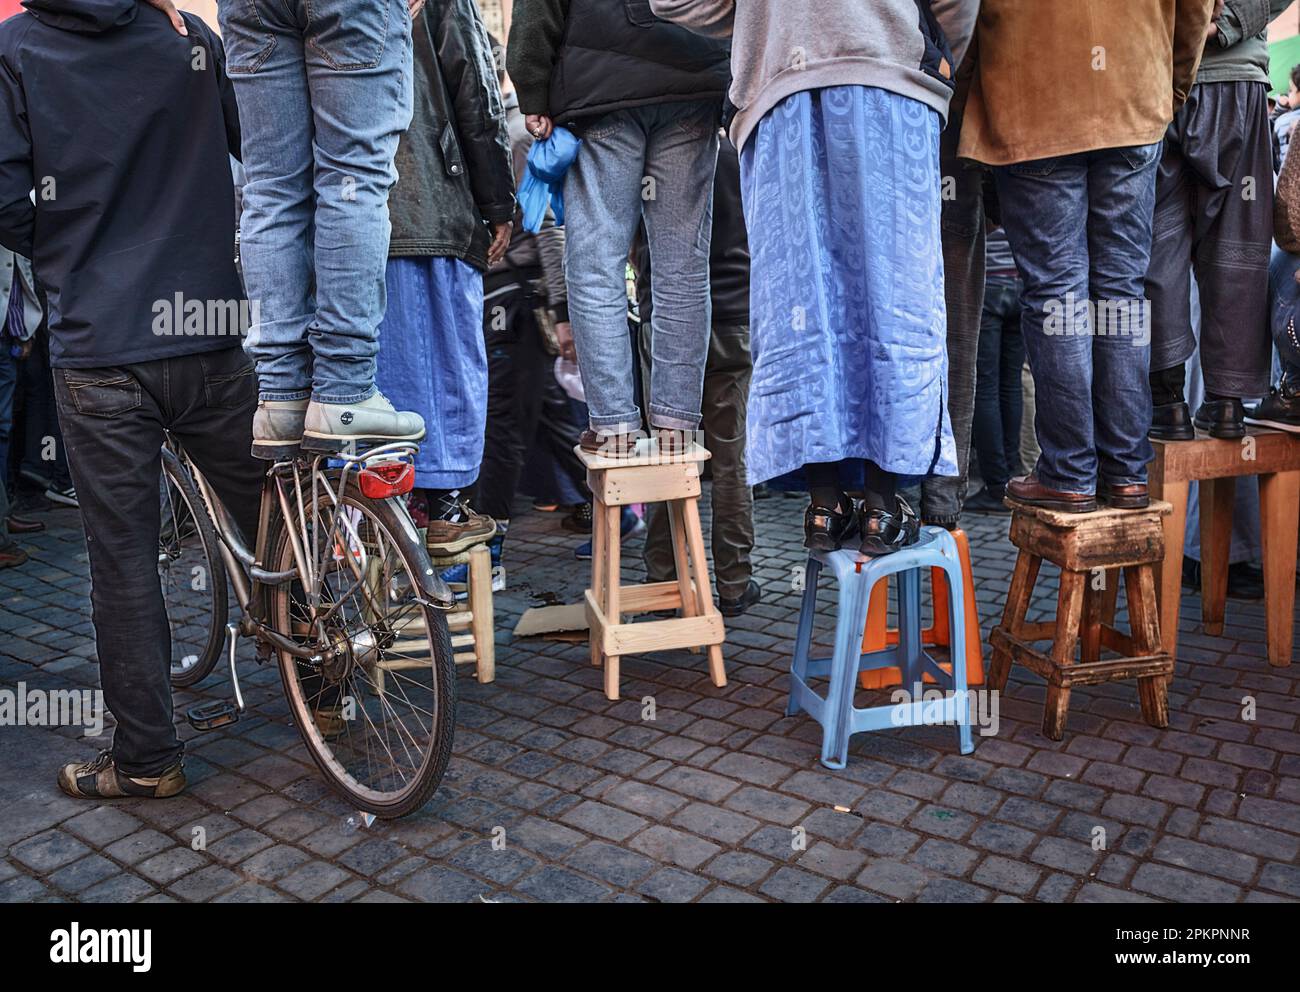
[[377, 710]]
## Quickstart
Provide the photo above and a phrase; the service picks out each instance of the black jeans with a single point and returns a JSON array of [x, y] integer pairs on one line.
[[113, 422], [526, 408], [999, 399]]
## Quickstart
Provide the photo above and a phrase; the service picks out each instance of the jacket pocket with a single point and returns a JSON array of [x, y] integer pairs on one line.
[[108, 392], [639, 13], [450, 146], [248, 42], [347, 34], [229, 381]]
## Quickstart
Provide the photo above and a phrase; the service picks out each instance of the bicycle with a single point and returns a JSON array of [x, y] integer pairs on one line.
[[339, 589]]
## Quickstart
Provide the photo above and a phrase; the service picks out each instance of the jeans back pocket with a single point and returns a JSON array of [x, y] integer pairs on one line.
[[247, 39], [349, 34], [229, 380], [106, 392]]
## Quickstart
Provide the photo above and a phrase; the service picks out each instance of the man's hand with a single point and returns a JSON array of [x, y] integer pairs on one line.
[[414, 6], [500, 241], [564, 335], [539, 126], [1213, 29], [173, 15]]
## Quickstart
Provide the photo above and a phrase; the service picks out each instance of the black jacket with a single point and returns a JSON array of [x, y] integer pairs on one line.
[[124, 130], [454, 171], [580, 59]]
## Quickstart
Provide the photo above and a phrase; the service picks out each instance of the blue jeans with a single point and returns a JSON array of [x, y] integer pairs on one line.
[[1284, 312], [654, 163], [1080, 228], [999, 400], [324, 92]]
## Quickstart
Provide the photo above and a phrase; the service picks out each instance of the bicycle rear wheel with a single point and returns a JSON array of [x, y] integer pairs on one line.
[[192, 574], [377, 713]]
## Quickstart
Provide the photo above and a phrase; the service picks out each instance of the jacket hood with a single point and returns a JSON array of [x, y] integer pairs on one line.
[[83, 16]]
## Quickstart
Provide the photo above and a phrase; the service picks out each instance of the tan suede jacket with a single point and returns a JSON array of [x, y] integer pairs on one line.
[[1055, 77]]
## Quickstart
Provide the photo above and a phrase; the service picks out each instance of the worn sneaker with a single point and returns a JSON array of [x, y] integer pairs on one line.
[[100, 779], [277, 428], [1281, 410], [63, 495], [335, 426], [457, 528]]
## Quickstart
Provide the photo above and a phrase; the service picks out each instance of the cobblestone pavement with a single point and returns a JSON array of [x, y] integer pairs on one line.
[[700, 804]]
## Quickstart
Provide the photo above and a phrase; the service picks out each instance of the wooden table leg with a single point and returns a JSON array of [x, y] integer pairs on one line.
[[1170, 574], [1279, 494], [1217, 497]]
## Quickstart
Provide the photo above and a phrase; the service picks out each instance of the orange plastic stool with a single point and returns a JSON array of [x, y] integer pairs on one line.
[[879, 635]]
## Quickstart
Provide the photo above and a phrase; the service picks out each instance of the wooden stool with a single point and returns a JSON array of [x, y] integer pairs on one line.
[[1082, 545], [1274, 456], [879, 634], [471, 624], [649, 478]]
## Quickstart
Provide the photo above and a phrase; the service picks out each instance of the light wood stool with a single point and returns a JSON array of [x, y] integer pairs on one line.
[[1090, 549], [649, 478], [1274, 456]]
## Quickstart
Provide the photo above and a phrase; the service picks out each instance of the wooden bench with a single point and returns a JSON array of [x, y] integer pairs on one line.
[[1273, 456]]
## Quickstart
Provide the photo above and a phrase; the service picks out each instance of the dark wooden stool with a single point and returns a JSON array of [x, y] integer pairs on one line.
[[1091, 549]]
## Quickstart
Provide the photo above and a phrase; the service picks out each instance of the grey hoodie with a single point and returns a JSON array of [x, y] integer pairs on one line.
[[782, 47]]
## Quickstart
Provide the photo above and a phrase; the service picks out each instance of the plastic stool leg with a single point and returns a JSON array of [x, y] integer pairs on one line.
[[803, 635], [953, 574], [844, 669], [909, 629]]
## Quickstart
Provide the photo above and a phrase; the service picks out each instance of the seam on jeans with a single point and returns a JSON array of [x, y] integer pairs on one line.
[[260, 61], [353, 66]]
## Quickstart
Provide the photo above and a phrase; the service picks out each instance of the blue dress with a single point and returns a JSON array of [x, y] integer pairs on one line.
[[432, 360], [848, 325]]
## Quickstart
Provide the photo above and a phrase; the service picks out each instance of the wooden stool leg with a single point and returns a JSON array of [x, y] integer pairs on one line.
[[1094, 604], [703, 582], [1153, 691], [1109, 596], [682, 558], [1022, 587], [598, 571], [613, 547], [1278, 496], [1069, 614], [483, 626], [1216, 497], [1170, 581]]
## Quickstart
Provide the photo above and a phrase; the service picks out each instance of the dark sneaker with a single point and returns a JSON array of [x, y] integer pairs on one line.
[[100, 779], [986, 501], [1245, 581], [12, 556], [579, 521], [736, 607], [825, 528], [458, 529], [63, 496], [1171, 422], [883, 532], [1281, 410], [1222, 419]]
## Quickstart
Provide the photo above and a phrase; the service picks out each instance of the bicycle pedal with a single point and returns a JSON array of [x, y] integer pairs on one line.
[[212, 716]]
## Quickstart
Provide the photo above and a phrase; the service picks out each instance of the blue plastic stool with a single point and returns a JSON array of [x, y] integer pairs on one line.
[[835, 712]]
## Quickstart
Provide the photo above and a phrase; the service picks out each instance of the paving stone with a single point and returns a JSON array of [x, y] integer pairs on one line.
[[48, 851], [793, 885], [312, 880], [677, 847], [610, 863], [1182, 886], [672, 885]]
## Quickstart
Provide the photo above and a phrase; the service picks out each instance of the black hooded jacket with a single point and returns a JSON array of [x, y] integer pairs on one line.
[[123, 129]]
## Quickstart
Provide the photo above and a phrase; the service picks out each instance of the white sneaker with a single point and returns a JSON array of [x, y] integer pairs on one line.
[[334, 426]]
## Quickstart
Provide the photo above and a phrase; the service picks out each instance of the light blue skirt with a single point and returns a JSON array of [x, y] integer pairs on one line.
[[432, 360], [848, 324]]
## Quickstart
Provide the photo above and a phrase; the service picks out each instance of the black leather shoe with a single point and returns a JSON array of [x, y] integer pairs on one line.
[[883, 532], [825, 529], [1222, 418], [986, 501], [736, 607], [1281, 410], [1171, 422]]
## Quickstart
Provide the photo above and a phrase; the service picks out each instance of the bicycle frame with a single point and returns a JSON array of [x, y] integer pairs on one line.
[[283, 491]]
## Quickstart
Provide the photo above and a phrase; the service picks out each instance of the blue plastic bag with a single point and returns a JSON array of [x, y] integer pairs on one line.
[[543, 183]]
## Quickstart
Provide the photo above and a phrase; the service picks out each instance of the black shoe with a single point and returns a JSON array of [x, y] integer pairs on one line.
[[579, 521], [825, 529], [737, 607], [1222, 419], [1245, 581], [883, 532], [1171, 422], [986, 501], [1281, 410]]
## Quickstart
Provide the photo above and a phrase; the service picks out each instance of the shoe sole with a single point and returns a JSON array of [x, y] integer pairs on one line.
[[1188, 434], [62, 500], [1278, 425], [1219, 433], [1126, 502], [456, 547], [1060, 506], [276, 451], [335, 443]]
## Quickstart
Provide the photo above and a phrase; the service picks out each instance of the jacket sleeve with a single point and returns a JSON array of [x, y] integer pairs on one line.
[[1191, 19], [1243, 19], [225, 89], [469, 73], [17, 211], [715, 18], [536, 33]]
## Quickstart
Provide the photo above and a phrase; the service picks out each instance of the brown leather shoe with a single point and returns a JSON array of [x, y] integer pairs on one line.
[[24, 525], [608, 445], [1130, 497], [1028, 490]]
